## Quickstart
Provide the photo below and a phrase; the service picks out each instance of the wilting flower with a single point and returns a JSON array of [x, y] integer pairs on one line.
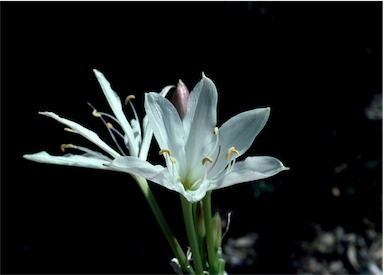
[[136, 140], [200, 156]]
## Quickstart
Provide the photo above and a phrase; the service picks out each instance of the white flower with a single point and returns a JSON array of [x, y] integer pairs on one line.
[[199, 156], [137, 144]]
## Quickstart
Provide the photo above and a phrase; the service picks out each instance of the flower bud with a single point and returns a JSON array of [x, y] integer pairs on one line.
[[180, 98], [216, 228], [200, 225]]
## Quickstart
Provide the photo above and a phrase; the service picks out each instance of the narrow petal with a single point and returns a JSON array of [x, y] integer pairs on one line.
[[147, 130], [88, 134], [147, 138], [115, 104], [250, 169], [84, 160], [200, 120], [165, 123], [239, 131]]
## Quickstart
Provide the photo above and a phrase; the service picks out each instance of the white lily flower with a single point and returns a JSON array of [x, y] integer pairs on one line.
[[137, 144], [199, 156]]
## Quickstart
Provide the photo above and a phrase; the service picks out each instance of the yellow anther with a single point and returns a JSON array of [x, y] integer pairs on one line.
[[128, 98], [205, 159], [69, 130], [95, 113], [216, 131], [65, 146], [162, 151], [230, 151], [109, 125], [172, 159]]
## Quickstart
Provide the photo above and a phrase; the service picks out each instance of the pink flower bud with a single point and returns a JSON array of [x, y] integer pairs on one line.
[[180, 98]]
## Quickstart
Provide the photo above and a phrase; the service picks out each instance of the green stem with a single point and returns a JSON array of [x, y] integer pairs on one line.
[[213, 257], [191, 233], [175, 246]]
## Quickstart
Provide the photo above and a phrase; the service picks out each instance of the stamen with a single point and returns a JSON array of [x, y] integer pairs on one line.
[[70, 130], [110, 125], [216, 131], [205, 159], [95, 113], [217, 157], [85, 150], [172, 159], [162, 151], [65, 146], [230, 166], [168, 159], [230, 151], [129, 98]]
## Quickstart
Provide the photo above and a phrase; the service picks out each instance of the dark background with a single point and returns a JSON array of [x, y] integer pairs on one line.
[[317, 65]]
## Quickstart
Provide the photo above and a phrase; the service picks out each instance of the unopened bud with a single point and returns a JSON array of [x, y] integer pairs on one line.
[[216, 228], [200, 226], [180, 98]]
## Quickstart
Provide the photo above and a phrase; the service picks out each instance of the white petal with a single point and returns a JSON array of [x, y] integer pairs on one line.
[[193, 195], [88, 134], [250, 169], [138, 167], [200, 120], [147, 138], [147, 135], [84, 160], [166, 124], [239, 132], [115, 104]]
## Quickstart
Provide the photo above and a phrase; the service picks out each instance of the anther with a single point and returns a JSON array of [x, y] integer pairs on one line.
[[128, 98], [109, 125], [95, 113], [216, 131], [65, 146], [230, 151], [172, 159], [205, 159], [69, 130], [162, 151]]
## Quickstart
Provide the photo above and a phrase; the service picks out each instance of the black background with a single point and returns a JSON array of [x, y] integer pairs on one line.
[[316, 64]]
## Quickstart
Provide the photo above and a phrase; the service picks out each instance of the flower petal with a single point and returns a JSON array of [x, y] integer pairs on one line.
[[200, 120], [147, 130], [115, 104], [138, 167], [88, 134], [250, 169], [239, 132], [192, 195], [157, 174], [85, 160], [166, 124]]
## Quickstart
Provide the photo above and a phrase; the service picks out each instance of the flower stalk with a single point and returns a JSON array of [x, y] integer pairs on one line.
[[191, 234], [213, 258], [172, 241]]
